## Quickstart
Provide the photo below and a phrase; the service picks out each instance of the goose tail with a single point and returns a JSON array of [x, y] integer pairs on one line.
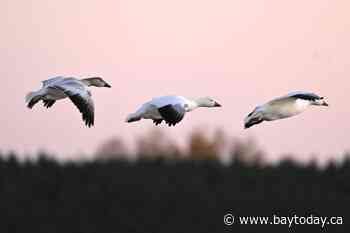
[[132, 117], [32, 98]]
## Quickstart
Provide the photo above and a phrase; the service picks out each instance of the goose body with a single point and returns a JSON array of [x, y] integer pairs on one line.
[[76, 90], [171, 109], [283, 107]]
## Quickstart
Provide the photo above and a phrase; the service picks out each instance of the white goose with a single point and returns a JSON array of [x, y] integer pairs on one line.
[[283, 107], [171, 109], [76, 90]]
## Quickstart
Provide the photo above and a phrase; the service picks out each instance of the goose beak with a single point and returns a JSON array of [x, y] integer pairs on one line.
[[217, 104], [107, 85], [325, 104]]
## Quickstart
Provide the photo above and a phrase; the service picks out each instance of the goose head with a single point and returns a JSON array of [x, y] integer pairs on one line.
[[96, 82], [207, 102], [320, 102]]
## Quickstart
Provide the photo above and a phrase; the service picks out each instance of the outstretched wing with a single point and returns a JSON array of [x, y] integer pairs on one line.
[[52, 81], [305, 96], [81, 98], [172, 114]]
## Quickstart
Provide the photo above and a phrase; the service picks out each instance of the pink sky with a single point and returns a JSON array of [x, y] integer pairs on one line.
[[240, 52]]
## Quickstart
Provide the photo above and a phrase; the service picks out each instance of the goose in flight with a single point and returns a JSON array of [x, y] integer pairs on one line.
[[283, 107], [171, 109], [75, 89]]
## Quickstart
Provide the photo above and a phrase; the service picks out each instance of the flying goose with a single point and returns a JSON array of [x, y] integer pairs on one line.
[[171, 109], [76, 90], [283, 107]]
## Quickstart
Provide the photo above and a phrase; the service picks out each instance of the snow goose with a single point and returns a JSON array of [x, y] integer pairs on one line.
[[75, 89], [171, 109], [283, 107]]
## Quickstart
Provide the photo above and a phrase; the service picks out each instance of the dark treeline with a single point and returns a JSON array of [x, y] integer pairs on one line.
[[166, 195], [199, 145]]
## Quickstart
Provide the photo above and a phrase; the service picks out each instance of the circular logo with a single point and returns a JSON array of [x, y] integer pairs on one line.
[[229, 219]]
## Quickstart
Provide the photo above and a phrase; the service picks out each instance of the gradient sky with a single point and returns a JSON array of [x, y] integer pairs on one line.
[[240, 52]]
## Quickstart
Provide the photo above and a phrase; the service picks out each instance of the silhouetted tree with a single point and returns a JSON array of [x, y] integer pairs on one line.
[[113, 148], [155, 144], [247, 152], [202, 147]]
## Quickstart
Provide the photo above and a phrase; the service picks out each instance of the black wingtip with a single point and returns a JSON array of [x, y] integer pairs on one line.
[[33, 102], [252, 123], [89, 124], [86, 111], [49, 103], [89, 121], [157, 121], [217, 104], [172, 114]]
